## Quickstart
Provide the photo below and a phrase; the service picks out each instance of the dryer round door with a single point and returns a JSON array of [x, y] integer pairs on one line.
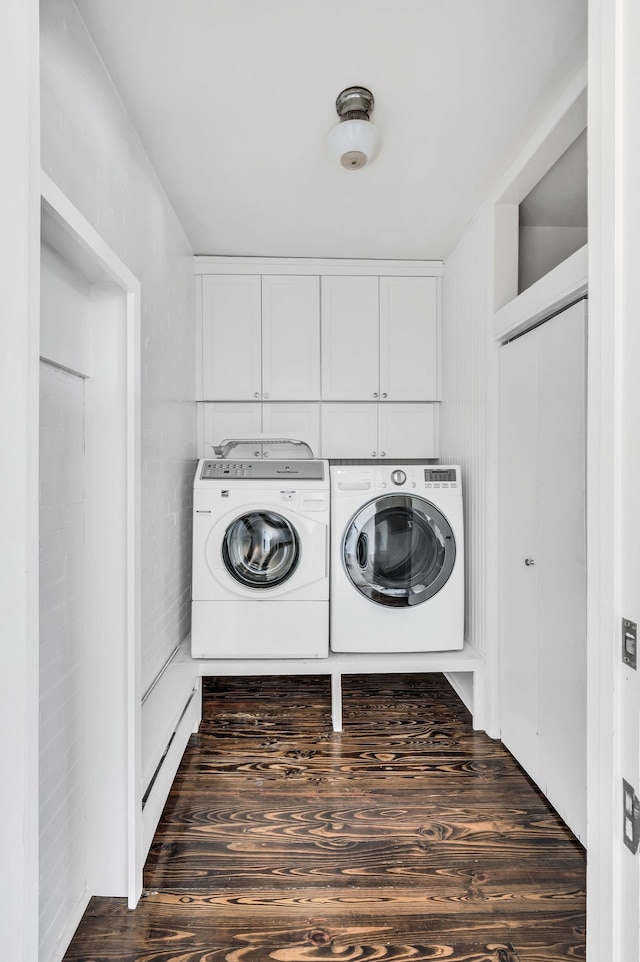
[[261, 549], [399, 550]]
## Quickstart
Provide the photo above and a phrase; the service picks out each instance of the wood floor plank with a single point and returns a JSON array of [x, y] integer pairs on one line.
[[407, 836]]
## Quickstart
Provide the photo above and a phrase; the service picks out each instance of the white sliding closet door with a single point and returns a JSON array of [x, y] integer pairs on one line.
[[543, 567], [519, 523]]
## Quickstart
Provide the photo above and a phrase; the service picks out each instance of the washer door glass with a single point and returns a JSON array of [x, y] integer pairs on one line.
[[399, 550], [261, 549]]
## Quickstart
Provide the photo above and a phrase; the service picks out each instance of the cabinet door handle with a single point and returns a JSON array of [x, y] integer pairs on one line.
[[373, 454], [256, 393], [384, 394], [529, 562], [266, 394], [375, 394]]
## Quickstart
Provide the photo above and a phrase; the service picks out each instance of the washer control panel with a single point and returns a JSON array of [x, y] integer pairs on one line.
[[262, 470]]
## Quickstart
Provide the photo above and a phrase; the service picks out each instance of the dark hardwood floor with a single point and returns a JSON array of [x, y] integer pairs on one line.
[[407, 837]]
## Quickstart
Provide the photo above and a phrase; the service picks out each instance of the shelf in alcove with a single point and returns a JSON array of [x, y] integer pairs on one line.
[[563, 285]]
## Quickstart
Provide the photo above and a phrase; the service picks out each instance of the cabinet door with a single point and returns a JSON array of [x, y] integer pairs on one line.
[[561, 564], [231, 337], [350, 338], [220, 421], [519, 542], [409, 338], [290, 338], [299, 421], [543, 624], [349, 431], [406, 431]]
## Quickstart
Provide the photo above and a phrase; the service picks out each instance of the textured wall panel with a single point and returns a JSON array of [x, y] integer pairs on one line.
[[62, 793], [92, 152], [466, 382]]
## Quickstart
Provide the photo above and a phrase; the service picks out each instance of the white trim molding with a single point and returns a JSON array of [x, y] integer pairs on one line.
[[316, 266], [65, 228]]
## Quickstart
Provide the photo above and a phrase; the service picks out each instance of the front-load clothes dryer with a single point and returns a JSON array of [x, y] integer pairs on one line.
[[260, 559], [397, 566]]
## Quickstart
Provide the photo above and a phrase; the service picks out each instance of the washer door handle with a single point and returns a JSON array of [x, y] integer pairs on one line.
[[362, 550]]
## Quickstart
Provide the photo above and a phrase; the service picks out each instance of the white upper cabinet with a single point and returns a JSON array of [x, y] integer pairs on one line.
[[350, 342], [342, 354], [260, 337], [290, 338], [407, 431], [384, 431], [231, 338], [379, 338], [349, 430], [293, 420], [223, 420], [408, 338]]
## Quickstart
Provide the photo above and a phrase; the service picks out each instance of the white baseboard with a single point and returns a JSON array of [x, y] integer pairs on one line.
[[168, 766]]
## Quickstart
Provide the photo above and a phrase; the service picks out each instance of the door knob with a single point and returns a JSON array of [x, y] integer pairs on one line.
[[529, 562]]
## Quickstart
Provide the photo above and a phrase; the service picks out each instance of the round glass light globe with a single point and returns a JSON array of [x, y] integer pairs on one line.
[[355, 143]]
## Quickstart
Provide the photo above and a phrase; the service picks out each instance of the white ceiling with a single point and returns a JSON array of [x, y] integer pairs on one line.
[[233, 100]]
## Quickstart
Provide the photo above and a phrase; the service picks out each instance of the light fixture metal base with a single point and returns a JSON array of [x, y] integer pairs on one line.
[[354, 100]]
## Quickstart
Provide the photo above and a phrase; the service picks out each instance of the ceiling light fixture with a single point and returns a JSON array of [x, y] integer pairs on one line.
[[355, 141]]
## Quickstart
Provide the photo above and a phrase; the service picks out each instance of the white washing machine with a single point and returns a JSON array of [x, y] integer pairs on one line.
[[397, 563], [260, 559]]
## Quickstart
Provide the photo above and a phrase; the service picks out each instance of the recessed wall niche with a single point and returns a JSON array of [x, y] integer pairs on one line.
[[540, 220], [553, 216]]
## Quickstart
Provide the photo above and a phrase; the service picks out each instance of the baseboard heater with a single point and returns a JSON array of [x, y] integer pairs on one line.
[[171, 712]]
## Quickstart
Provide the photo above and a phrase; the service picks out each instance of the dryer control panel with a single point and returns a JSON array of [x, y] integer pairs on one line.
[[423, 477], [440, 478], [351, 479]]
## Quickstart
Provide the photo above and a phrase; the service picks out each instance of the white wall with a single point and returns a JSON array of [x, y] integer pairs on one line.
[[19, 269], [62, 795], [468, 428], [463, 425], [92, 152]]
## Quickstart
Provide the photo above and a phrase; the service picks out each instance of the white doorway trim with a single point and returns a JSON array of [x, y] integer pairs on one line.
[[68, 231], [613, 906]]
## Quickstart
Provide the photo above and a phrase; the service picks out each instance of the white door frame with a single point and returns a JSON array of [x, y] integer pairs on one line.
[[19, 271], [77, 241], [614, 249]]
